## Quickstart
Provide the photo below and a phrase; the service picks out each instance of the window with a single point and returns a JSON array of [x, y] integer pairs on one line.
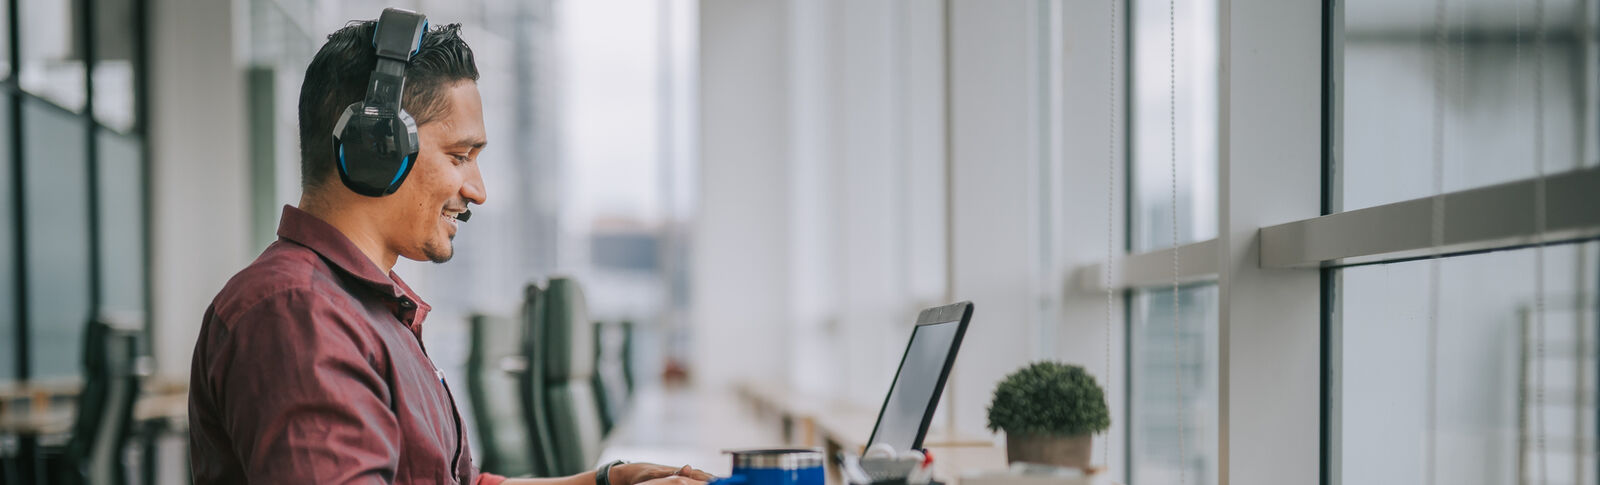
[[74, 240], [1162, 359], [1487, 380], [121, 224], [5, 43], [10, 313], [56, 199], [115, 55], [1165, 415], [1196, 115], [1502, 384], [51, 63], [1490, 66]]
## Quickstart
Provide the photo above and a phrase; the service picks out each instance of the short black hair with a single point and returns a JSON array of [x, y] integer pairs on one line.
[[338, 76]]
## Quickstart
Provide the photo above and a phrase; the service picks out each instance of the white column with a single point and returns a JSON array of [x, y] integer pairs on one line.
[[993, 220], [1269, 173], [1080, 226], [200, 194], [740, 274]]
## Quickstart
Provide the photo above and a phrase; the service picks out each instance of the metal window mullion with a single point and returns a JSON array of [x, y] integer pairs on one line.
[[1331, 455], [141, 117], [92, 155], [18, 198]]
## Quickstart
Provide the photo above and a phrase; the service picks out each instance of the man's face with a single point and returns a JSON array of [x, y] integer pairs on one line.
[[421, 214]]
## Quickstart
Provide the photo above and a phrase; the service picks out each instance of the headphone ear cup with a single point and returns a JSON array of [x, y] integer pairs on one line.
[[374, 153], [406, 143], [375, 140]]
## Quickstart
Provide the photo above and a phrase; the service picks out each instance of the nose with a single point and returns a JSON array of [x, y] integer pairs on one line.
[[473, 190]]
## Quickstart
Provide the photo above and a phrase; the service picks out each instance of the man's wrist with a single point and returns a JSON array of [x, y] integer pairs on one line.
[[602, 475]]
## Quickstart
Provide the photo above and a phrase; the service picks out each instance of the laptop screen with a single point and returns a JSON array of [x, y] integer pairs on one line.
[[912, 397]]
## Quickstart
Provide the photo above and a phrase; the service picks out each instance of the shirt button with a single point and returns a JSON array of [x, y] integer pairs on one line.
[[406, 303]]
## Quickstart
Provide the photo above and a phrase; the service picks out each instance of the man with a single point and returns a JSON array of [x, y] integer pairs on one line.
[[309, 367]]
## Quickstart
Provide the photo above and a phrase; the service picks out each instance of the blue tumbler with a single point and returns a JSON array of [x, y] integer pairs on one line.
[[781, 466]]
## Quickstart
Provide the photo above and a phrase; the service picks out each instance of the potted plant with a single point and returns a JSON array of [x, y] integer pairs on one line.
[[1049, 412]]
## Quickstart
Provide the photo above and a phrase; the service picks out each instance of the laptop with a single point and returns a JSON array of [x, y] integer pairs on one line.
[[908, 409]]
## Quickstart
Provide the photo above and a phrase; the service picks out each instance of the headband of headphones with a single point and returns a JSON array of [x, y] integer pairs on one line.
[[375, 141]]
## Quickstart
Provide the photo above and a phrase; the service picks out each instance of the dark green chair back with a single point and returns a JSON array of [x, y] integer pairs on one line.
[[531, 384], [113, 371], [574, 412], [495, 364], [610, 375], [627, 355]]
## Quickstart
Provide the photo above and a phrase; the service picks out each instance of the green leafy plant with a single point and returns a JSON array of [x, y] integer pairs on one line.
[[1049, 398]]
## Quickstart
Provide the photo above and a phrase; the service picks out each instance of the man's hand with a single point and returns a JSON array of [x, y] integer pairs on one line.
[[674, 480], [640, 473]]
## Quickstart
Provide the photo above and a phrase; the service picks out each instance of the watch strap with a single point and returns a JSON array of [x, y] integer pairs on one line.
[[602, 476]]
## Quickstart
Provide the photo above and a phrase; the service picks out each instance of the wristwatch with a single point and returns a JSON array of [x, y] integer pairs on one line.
[[602, 476]]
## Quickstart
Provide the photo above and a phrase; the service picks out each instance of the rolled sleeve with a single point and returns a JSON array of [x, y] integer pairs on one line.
[[303, 393]]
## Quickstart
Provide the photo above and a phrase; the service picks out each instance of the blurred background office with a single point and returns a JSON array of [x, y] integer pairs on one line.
[[1225, 210]]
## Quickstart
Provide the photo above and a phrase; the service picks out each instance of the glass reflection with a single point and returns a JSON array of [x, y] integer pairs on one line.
[[1491, 57]]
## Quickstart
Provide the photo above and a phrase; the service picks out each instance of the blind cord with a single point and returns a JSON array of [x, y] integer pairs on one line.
[[1172, 149], [1111, 189]]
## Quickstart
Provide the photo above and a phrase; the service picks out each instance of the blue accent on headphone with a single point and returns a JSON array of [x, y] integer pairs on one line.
[[402, 172], [377, 128], [419, 38]]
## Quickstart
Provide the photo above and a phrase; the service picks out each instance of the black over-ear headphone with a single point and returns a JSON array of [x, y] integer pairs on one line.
[[376, 141]]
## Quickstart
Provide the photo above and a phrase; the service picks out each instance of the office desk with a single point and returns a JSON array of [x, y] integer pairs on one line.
[[36, 422], [42, 413], [835, 426], [43, 408], [688, 426]]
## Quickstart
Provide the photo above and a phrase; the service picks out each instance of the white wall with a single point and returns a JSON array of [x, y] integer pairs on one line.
[[199, 190], [842, 192], [1269, 168], [862, 145], [1083, 183], [739, 270], [993, 199]]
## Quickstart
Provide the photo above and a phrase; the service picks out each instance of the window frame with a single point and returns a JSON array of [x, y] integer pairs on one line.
[[1264, 156], [15, 157]]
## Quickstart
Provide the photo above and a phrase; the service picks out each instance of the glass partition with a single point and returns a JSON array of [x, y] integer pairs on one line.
[[121, 224], [56, 200], [1488, 381], [1490, 62], [52, 55], [1174, 387]]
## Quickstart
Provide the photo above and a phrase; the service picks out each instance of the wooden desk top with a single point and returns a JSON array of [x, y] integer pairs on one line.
[[173, 407], [54, 420], [41, 388], [48, 418]]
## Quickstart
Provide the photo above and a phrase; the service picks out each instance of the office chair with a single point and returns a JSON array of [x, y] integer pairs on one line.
[[627, 355], [113, 371], [610, 379], [574, 413], [531, 383], [495, 364]]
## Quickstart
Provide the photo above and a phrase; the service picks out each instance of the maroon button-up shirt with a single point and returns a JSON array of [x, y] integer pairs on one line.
[[310, 369]]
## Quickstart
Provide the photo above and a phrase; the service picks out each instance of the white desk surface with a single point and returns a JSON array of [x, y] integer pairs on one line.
[[693, 425]]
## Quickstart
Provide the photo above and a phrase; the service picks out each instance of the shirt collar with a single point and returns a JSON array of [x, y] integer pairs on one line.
[[307, 230]]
